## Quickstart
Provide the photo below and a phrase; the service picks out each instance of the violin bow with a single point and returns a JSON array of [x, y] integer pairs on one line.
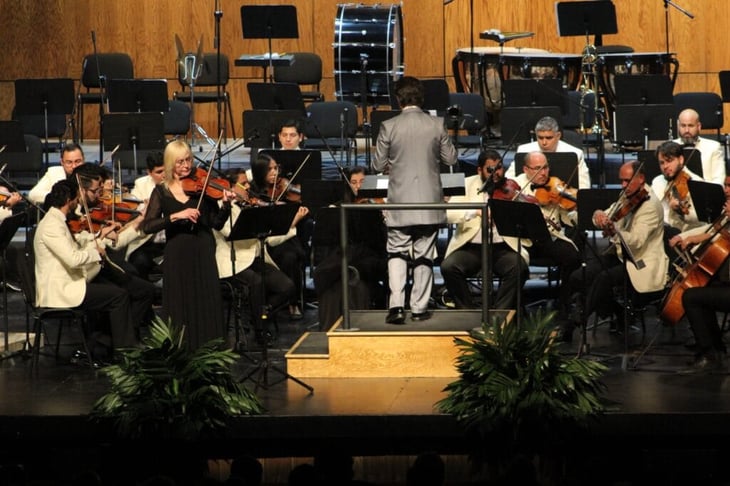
[[213, 149], [622, 194], [301, 166]]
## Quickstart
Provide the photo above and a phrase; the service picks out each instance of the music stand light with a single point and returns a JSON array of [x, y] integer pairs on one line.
[[138, 95], [269, 22], [135, 133], [47, 98], [260, 223]]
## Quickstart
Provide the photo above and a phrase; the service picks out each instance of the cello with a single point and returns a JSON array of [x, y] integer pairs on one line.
[[710, 256]]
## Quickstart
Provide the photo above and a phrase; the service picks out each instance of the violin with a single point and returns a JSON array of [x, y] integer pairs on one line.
[[194, 184], [555, 191], [78, 225], [629, 204], [293, 191], [509, 190], [679, 189], [120, 211]]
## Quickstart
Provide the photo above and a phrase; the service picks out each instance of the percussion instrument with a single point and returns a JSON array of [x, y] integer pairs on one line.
[[496, 64], [369, 39]]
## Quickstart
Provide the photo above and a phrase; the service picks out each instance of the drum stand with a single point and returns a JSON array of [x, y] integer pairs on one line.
[[366, 128]]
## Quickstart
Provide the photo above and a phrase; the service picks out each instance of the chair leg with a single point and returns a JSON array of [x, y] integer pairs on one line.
[[230, 115], [38, 330]]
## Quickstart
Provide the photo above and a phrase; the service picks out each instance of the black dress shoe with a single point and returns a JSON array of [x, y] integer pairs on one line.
[[704, 365], [396, 315], [421, 316]]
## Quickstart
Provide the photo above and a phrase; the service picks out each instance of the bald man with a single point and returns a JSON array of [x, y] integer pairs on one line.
[[713, 161]]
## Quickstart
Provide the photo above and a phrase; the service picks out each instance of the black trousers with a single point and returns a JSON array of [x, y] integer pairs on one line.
[[277, 288], [567, 257], [466, 262], [107, 297], [701, 305]]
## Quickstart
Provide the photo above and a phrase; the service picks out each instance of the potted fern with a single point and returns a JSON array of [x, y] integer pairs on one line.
[[517, 396], [164, 390]]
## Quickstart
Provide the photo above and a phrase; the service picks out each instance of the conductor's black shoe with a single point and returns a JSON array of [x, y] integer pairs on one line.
[[396, 315], [421, 316]]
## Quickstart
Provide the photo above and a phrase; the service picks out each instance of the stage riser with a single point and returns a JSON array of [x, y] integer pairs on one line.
[[370, 355]]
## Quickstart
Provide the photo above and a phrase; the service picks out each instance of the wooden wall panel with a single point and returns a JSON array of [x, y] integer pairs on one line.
[[49, 38]]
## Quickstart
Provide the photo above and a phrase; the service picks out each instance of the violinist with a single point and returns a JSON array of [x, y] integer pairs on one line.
[[559, 248], [191, 291], [463, 255], [141, 292], [711, 151], [66, 270], [637, 218], [249, 269], [290, 256], [701, 304], [548, 135], [672, 189], [72, 156]]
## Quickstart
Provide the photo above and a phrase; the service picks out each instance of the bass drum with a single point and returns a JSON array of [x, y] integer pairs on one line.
[[368, 38]]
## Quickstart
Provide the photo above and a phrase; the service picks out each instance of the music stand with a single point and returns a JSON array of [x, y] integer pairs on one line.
[[260, 223], [269, 22], [263, 125], [290, 160], [650, 164], [693, 161], [138, 95], [50, 98], [562, 165], [8, 228], [518, 123], [637, 124], [318, 194], [586, 18], [643, 89], [534, 92], [276, 96], [377, 117], [136, 133], [708, 199], [519, 220]]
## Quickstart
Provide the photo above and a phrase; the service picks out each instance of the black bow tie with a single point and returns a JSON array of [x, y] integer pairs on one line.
[[536, 186]]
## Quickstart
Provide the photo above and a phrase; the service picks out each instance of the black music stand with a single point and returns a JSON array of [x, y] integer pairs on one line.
[[290, 161], [8, 228], [650, 163], [693, 161], [562, 165], [637, 124], [138, 95], [534, 92], [50, 99], [643, 89], [377, 117], [318, 194], [261, 127], [269, 22], [708, 199], [136, 133], [589, 201], [260, 223], [519, 220], [276, 96], [518, 123], [586, 18]]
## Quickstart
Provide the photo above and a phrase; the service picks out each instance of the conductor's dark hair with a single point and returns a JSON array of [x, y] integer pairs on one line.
[[409, 91]]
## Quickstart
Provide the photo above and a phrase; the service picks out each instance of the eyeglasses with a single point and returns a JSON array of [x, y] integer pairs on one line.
[[96, 190], [538, 168], [186, 160]]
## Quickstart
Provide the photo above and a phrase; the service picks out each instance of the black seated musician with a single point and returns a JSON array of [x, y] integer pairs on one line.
[[366, 258], [463, 257], [701, 304], [290, 256], [642, 231], [250, 269]]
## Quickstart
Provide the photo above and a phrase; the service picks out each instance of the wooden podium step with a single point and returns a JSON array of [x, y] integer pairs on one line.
[[373, 349]]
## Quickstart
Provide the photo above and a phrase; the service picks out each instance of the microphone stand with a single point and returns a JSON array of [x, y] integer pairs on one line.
[[102, 97], [364, 104], [667, 3], [340, 169]]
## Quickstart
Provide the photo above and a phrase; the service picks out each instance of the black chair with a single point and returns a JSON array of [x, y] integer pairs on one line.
[[305, 69], [336, 122], [209, 78], [176, 120], [40, 315], [472, 118], [707, 105], [23, 155], [111, 65]]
